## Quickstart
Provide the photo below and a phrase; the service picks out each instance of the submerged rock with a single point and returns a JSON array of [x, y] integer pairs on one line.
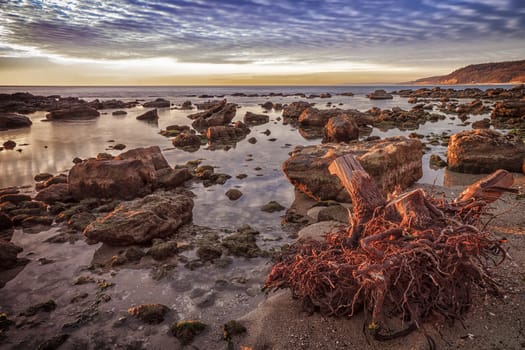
[[256, 119], [243, 243], [485, 151], [394, 162], [187, 330], [141, 220]]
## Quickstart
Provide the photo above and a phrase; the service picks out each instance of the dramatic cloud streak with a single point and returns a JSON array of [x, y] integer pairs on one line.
[[275, 35]]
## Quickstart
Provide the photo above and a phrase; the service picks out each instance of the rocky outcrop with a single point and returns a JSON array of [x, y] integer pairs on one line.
[[393, 163], [77, 112], [294, 109], [13, 121], [340, 128], [484, 151], [141, 220], [131, 174], [314, 117], [256, 119], [500, 72], [150, 115], [158, 103], [221, 113], [111, 104], [380, 95]]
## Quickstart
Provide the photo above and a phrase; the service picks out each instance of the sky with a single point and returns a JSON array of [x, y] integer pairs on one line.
[[267, 42]]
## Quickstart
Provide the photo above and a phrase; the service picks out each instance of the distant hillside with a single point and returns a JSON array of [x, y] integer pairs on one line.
[[486, 73]]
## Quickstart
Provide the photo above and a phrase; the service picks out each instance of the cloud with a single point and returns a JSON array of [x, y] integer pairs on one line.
[[254, 31]]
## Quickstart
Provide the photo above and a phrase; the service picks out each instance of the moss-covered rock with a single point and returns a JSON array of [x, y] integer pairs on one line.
[[187, 330]]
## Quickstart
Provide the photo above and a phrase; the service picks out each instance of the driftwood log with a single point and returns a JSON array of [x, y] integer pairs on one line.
[[412, 258]]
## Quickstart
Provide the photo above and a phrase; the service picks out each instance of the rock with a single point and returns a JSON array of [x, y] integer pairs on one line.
[[268, 105], [187, 330], [508, 110], [15, 198], [150, 115], [43, 177], [315, 117], [485, 151], [481, 124], [119, 113], [54, 193], [186, 105], [174, 130], [131, 174], [171, 178], [256, 119], [242, 243], [209, 252], [392, 162], [436, 162], [8, 255], [252, 140], [379, 95], [77, 160], [318, 230], [75, 112], [119, 146], [36, 221], [104, 156], [227, 134], [272, 206], [187, 141], [233, 194], [111, 104], [14, 121], [158, 103], [149, 313], [220, 114], [163, 250], [209, 105], [141, 220], [294, 109], [5, 221], [340, 128], [9, 144], [333, 213], [80, 221], [133, 254]]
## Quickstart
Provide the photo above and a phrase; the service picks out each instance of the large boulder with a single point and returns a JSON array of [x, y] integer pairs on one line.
[[340, 128], [394, 163], [141, 220], [75, 112], [131, 174], [13, 121], [484, 151]]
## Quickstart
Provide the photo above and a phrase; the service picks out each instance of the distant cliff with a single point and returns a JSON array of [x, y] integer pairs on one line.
[[486, 73]]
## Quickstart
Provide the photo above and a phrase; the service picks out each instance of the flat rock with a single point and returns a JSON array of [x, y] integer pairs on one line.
[[141, 220]]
